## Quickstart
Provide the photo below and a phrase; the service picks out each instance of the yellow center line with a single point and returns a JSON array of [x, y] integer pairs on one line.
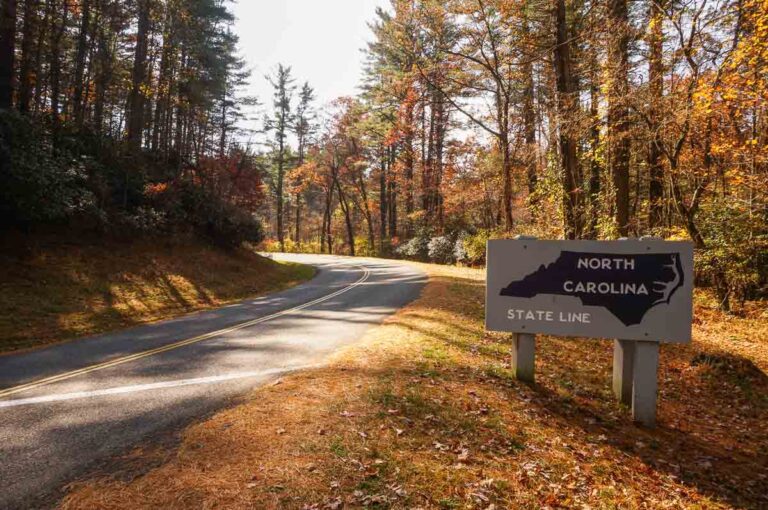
[[181, 343]]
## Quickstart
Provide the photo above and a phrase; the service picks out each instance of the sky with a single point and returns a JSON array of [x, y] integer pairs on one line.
[[321, 40]]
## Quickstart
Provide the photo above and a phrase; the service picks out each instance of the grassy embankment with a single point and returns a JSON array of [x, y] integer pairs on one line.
[[59, 291], [424, 414]]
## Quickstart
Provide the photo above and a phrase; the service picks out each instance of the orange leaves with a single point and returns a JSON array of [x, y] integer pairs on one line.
[[233, 177], [301, 177], [155, 189]]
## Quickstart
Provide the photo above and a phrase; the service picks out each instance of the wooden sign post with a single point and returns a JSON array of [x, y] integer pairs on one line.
[[637, 291], [524, 356]]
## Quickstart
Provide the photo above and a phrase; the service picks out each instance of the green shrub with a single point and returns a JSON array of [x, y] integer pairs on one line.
[[737, 243], [37, 184], [230, 227], [185, 205], [144, 220], [364, 248], [473, 247]]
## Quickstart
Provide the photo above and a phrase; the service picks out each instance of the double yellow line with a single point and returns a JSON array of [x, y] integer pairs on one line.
[[181, 343]]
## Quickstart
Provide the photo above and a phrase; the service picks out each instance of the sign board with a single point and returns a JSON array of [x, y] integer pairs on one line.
[[632, 290]]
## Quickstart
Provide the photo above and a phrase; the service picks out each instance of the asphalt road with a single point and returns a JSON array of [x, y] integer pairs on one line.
[[100, 396]]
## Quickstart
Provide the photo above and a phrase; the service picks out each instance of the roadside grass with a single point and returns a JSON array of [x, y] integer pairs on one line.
[[63, 291], [423, 413]]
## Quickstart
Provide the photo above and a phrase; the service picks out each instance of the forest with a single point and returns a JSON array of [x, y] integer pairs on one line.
[[476, 119], [119, 117]]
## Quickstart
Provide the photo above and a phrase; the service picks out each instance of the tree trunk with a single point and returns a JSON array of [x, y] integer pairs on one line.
[[55, 71], [178, 141], [409, 161], [502, 119], [656, 92], [383, 200], [280, 201], [162, 101], [27, 45], [618, 125], [529, 118], [139, 76], [45, 27], [392, 198], [297, 230], [325, 235], [281, 125], [506, 169], [437, 177], [347, 214], [595, 167], [103, 77], [565, 108], [427, 170], [367, 211], [82, 49], [302, 139], [223, 127]]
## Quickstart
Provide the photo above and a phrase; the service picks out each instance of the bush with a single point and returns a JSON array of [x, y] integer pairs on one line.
[[416, 248], [186, 205], [270, 246], [459, 251], [473, 247], [736, 245], [144, 220], [441, 249], [230, 227], [37, 184]]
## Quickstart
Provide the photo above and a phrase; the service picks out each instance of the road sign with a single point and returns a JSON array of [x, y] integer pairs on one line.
[[639, 292], [632, 289]]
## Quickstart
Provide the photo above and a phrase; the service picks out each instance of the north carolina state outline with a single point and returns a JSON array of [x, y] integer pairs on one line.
[[627, 285]]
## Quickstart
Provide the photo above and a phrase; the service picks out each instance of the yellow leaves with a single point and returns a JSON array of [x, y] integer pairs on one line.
[[704, 97], [729, 95], [678, 234]]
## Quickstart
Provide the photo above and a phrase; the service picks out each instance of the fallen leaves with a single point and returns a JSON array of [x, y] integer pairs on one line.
[[434, 421]]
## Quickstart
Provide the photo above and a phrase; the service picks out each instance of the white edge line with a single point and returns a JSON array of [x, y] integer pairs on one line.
[[121, 390]]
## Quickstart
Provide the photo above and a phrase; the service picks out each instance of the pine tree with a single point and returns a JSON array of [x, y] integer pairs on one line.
[[280, 124], [303, 128]]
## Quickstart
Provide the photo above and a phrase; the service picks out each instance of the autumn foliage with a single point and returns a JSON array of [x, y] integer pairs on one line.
[[491, 118]]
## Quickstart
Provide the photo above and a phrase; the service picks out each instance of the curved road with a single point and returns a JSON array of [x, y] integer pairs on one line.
[[66, 407]]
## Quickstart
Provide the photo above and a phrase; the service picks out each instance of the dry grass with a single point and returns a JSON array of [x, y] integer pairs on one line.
[[423, 414], [58, 292]]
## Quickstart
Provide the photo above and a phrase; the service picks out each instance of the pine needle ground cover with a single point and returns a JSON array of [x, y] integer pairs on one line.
[[423, 413], [63, 290]]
